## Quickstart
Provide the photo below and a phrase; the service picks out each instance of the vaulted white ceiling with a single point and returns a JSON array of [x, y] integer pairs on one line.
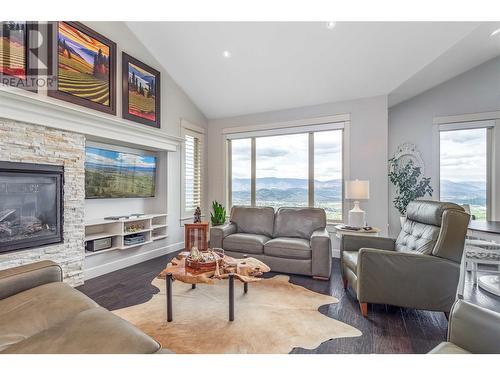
[[278, 65]]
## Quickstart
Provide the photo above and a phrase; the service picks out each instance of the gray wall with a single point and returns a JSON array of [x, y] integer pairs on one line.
[[477, 90], [368, 146]]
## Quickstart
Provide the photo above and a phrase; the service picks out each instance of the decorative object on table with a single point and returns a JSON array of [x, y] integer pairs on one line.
[[406, 168], [116, 173], [357, 190], [273, 307], [197, 215], [218, 216], [134, 227], [204, 260], [141, 100], [196, 234], [16, 66], [85, 66]]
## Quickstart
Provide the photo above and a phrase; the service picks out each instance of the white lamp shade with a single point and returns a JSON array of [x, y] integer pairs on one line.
[[357, 189]]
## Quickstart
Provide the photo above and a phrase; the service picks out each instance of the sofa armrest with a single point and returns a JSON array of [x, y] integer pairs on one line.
[[474, 328], [321, 253], [18, 279], [406, 279], [354, 243], [218, 233]]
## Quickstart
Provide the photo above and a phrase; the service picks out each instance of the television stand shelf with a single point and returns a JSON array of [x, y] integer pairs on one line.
[[153, 226]]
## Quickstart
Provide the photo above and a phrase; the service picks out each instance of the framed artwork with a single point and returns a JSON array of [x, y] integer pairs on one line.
[[85, 67], [141, 92], [17, 67]]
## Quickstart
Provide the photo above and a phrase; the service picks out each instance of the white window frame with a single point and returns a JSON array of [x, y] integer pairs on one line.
[[327, 123], [467, 122], [188, 128]]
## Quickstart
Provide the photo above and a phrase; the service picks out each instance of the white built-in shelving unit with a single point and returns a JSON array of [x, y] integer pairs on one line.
[[154, 226]]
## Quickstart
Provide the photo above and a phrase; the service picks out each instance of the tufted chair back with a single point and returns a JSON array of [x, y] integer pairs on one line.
[[434, 228]]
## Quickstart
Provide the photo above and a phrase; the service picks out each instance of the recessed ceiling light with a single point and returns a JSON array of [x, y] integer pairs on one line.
[[495, 32], [330, 25], [226, 54]]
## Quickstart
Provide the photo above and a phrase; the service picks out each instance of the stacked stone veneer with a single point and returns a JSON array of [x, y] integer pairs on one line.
[[21, 142]]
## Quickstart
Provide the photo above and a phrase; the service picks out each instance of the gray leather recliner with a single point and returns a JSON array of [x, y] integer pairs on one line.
[[294, 240], [420, 269], [472, 329]]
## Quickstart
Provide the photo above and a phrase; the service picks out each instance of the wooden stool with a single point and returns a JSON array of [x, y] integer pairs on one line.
[[196, 234]]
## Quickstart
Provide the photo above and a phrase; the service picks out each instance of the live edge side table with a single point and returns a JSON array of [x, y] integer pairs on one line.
[[196, 234]]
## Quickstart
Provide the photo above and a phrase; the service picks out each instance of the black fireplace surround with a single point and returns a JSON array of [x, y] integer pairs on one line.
[[31, 205]]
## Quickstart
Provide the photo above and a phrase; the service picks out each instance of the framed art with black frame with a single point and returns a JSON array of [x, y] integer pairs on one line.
[[18, 54], [85, 66], [140, 92]]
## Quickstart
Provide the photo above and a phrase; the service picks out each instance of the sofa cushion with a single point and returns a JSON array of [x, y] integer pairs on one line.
[[94, 331], [27, 313], [350, 260], [417, 237], [255, 220], [288, 247], [298, 222], [245, 243]]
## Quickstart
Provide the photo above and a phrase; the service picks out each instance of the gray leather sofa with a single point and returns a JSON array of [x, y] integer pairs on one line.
[[41, 314], [419, 269], [294, 240], [472, 329]]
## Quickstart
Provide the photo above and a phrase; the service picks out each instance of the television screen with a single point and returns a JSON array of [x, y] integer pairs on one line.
[[115, 174]]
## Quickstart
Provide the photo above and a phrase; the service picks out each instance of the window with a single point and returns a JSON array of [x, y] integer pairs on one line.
[[328, 173], [464, 174], [299, 169], [192, 170], [282, 171], [241, 179]]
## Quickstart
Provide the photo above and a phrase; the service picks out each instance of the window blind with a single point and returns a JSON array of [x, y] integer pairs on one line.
[[192, 172]]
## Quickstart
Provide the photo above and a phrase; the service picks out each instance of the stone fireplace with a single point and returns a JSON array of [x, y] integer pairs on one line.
[[42, 177], [31, 205]]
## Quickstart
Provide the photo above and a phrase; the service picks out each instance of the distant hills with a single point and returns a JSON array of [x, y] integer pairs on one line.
[[295, 190]]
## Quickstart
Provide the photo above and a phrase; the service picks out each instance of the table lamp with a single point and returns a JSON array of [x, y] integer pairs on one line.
[[357, 190]]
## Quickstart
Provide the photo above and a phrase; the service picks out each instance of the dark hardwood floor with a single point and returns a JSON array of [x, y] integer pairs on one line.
[[387, 329]]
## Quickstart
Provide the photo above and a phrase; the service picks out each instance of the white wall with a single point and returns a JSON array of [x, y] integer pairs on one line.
[[368, 146], [175, 105], [477, 90]]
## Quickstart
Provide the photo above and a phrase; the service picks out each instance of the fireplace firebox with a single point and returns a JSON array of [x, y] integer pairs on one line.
[[31, 205]]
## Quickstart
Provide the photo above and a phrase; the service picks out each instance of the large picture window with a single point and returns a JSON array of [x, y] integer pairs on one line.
[[464, 174], [299, 169]]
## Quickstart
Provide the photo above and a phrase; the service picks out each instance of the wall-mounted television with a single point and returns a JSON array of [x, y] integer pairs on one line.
[[112, 173]]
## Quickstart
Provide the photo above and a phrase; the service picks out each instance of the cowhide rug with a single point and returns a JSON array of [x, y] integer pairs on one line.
[[275, 316]]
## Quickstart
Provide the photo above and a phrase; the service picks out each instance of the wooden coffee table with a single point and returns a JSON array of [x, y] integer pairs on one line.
[[246, 270]]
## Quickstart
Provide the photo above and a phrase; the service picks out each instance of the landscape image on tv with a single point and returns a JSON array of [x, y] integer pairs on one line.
[[114, 174]]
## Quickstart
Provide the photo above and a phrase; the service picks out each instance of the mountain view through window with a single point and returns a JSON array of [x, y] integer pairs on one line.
[[282, 171], [463, 169]]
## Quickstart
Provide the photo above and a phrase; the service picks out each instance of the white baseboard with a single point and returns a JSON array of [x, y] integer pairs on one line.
[[335, 253], [90, 273]]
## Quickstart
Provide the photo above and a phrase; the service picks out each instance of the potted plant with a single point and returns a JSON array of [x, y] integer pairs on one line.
[[218, 216], [409, 185]]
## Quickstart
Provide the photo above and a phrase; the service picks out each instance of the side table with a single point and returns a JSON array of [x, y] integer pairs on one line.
[[196, 234], [339, 232]]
